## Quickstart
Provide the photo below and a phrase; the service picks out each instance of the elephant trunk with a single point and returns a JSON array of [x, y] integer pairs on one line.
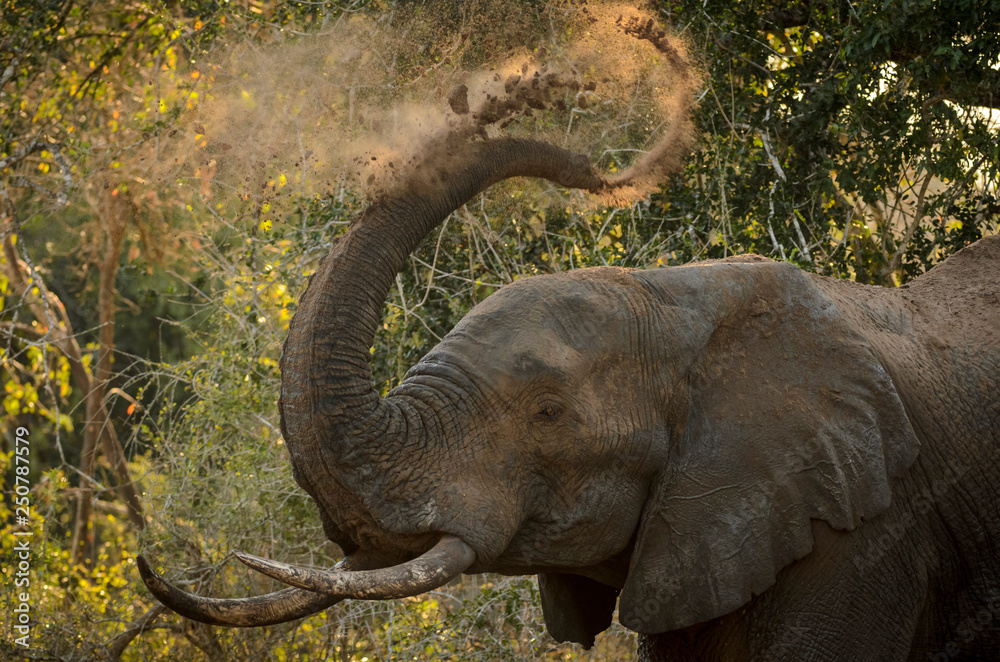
[[329, 406]]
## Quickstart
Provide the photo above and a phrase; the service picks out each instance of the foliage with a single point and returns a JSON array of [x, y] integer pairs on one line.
[[856, 139], [69, 604]]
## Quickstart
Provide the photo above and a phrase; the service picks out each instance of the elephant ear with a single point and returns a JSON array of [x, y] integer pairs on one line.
[[785, 415]]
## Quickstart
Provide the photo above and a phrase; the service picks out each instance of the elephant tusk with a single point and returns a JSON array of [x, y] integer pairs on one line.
[[278, 607], [436, 567]]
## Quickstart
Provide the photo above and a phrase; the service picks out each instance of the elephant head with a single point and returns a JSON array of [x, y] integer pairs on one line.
[[667, 434]]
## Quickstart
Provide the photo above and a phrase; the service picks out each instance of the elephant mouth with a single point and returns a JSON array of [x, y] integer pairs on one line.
[[314, 589]]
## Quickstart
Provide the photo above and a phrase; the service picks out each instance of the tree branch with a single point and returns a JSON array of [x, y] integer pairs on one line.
[[22, 331], [918, 214], [21, 154], [8, 73], [99, 505]]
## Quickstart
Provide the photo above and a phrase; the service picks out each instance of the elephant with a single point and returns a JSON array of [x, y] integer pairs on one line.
[[751, 462]]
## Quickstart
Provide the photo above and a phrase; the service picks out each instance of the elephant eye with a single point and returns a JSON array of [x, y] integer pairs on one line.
[[548, 411]]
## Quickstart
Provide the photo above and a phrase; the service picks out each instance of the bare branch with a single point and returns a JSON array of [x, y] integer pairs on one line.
[[918, 214], [21, 330], [8, 73], [34, 146], [62, 197]]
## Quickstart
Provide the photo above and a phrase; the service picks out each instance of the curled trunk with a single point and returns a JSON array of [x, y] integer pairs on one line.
[[333, 419]]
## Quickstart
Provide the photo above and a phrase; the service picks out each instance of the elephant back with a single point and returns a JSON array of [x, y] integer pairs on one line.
[[961, 296]]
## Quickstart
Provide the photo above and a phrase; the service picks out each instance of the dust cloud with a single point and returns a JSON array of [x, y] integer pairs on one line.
[[358, 105]]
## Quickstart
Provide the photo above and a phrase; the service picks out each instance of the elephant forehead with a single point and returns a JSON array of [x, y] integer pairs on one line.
[[517, 350], [546, 326], [541, 352], [575, 308]]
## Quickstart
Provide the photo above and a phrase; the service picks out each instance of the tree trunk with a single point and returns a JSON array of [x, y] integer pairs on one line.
[[114, 210]]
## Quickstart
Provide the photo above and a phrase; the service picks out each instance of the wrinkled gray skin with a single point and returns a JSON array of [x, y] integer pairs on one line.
[[758, 463]]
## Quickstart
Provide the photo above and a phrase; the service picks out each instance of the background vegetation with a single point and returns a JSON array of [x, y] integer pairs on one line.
[[170, 173]]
